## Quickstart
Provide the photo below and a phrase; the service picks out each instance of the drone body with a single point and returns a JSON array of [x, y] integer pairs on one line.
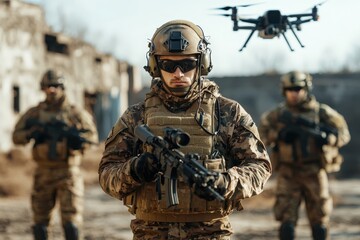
[[272, 23]]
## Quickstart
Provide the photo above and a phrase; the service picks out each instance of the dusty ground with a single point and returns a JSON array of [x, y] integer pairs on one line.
[[106, 218]]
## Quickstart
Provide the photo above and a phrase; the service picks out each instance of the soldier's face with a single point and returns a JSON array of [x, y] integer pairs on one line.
[[295, 95], [178, 72], [54, 93]]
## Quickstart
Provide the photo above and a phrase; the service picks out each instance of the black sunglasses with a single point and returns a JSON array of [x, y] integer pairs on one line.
[[293, 89], [54, 85], [170, 66]]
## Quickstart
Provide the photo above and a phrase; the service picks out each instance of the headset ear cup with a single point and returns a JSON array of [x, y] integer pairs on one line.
[[152, 66], [206, 64]]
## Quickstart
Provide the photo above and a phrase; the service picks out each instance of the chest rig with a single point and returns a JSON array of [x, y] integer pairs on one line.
[[54, 151], [157, 117], [302, 150], [191, 208]]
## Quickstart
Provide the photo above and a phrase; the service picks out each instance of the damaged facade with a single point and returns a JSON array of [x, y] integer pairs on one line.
[[95, 81]]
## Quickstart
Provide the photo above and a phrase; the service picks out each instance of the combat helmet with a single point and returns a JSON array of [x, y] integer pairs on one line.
[[52, 78], [296, 79], [178, 37]]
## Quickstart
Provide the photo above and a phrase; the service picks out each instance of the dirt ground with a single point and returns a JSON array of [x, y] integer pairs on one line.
[[106, 217]]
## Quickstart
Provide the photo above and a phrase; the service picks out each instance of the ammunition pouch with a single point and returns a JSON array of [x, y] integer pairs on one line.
[[41, 152]]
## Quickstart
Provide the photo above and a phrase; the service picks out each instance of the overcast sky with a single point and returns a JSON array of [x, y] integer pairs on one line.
[[123, 27]]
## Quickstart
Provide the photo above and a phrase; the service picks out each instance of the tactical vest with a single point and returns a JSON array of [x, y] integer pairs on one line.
[[63, 155], [295, 154], [191, 208]]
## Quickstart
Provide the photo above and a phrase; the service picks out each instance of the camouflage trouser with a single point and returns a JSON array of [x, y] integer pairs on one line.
[[64, 185], [219, 229], [293, 186]]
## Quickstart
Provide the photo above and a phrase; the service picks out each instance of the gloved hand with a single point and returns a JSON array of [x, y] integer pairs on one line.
[[326, 139], [75, 142], [145, 167], [220, 186], [287, 135], [38, 134]]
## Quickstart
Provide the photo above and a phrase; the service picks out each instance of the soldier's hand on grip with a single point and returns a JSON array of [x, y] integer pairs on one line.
[[37, 133], [287, 135], [75, 142], [326, 139], [145, 167], [220, 186]]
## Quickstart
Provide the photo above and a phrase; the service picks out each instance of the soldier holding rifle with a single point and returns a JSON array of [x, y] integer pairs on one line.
[[304, 136], [183, 159], [60, 132]]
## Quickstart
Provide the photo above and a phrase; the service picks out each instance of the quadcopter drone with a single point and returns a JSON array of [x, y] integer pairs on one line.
[[272, 23]]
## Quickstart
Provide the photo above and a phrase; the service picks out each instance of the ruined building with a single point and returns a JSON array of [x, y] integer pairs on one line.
[[95, 81]]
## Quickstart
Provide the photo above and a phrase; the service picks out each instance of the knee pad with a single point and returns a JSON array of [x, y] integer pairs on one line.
[[40, 232], [71, 231], [287, 231]]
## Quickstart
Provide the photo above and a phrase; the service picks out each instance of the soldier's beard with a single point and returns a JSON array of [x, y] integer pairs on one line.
[[178, 91], [54, 98]]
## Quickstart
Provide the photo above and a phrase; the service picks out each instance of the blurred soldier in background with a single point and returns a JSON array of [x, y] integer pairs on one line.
[[304, 136], [60, 132], [221, 132]]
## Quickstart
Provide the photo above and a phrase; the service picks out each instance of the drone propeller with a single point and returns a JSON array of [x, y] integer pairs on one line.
[[231, 7], [316, 5], [319, 4], [222, 14]]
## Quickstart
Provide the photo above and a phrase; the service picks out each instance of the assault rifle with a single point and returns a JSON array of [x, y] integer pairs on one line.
[[174, 163], [55, 131], [298, 127]]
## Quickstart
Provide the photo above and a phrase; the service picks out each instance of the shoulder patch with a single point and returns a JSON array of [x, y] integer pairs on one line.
[[116, 129]]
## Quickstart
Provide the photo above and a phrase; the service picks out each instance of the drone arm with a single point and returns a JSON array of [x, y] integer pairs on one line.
[[291, 49], [298, 22], [249, 20], [292, 30], [246, 27], [247, 40], [300, 15]]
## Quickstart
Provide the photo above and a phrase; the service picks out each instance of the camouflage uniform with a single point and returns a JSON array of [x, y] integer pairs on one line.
[[302, 168], [246, 161], [58, 179]]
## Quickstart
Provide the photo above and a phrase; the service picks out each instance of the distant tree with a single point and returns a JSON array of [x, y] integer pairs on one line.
[[329, 62], [352, 62], [271, 62]]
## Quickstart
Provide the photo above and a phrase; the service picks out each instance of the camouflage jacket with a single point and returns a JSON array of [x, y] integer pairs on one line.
[[238, 141], [63, 111], [271, 125]]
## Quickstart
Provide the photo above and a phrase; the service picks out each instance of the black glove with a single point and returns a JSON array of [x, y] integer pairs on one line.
[[145, 167], [287, 135], [219, 186], [38, 134], [75, 142], [326, 139]]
